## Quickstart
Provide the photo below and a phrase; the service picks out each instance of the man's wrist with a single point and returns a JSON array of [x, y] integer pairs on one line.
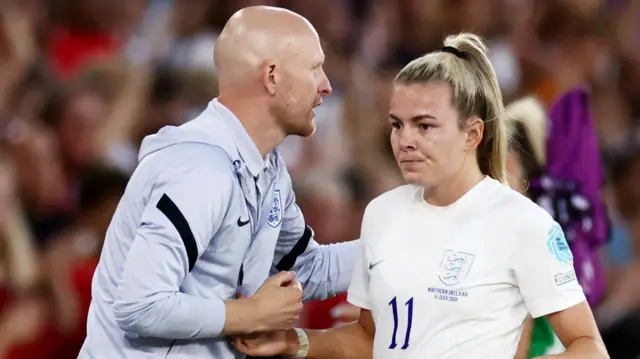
[[255, 322], [241, 317]]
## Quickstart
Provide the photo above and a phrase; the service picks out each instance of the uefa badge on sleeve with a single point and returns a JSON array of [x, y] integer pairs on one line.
[[558, 245], [274, 218]]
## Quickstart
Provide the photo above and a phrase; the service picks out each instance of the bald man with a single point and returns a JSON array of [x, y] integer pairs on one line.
[[210, 211]]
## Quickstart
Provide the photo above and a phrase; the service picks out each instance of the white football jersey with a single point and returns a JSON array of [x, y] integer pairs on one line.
[[458, 281]]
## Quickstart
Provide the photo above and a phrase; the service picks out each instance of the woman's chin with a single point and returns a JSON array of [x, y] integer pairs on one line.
[[411, 177]]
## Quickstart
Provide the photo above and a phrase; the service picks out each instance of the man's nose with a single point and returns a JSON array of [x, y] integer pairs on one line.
[[325, 87]]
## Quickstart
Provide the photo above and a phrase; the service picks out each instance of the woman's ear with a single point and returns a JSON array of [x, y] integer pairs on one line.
[[475, 131]]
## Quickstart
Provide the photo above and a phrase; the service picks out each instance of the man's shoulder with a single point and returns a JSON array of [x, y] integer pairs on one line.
[[184, 164], [193, 155]]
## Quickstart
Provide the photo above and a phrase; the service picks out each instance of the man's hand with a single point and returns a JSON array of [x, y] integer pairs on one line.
[[278, 303], [275, 306], [268, 343]]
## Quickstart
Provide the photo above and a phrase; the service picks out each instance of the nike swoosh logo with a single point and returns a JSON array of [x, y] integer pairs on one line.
[[373, 264], [241, 223]]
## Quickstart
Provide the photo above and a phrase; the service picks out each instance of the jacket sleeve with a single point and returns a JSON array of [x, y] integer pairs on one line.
[[323, 270], [189, 194]]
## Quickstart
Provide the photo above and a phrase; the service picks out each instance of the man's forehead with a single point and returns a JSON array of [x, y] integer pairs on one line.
[[305, 48], [316, 48]]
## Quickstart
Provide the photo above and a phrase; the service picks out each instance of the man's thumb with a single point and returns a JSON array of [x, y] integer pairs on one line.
[[284, 278]]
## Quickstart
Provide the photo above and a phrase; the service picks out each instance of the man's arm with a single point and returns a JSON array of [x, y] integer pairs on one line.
[[323, 270], [186, 204]]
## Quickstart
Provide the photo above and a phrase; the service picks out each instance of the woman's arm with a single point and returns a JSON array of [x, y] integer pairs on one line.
[[577, 330], [349, 341], [525, 340]]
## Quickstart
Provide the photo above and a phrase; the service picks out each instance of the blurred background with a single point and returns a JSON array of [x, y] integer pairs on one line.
[[83, 81]]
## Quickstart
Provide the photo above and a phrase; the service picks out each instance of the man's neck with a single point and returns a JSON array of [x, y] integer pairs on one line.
[[257, 121]]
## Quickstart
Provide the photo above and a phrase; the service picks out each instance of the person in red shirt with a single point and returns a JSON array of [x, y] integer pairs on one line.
[[90, 30], [73, 256], [325, 314]]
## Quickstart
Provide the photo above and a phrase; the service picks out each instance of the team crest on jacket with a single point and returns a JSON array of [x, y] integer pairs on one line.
[[455, 266], [275, 214]]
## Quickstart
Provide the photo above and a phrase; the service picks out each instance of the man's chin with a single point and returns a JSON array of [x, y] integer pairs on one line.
[[313, 128], [308, 130]]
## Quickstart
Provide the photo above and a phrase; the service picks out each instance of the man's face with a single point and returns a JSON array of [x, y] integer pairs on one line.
[[302, 85]]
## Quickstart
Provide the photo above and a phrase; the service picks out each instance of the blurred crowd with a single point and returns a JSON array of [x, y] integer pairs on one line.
[[83, 81]]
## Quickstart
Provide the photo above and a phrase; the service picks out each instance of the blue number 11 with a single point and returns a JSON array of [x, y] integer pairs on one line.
[[394, 308]]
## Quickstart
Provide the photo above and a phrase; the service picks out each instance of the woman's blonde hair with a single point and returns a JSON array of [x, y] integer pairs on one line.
[[464, 65]]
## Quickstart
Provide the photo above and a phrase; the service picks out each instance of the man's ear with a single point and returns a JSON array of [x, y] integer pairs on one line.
[[475, 131], [270, 76]]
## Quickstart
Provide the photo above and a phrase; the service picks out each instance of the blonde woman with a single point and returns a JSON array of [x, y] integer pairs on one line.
[[453, 262]]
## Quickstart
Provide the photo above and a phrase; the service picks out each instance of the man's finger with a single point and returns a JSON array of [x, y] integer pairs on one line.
[[239, 343], [295, 284], [283, 278]]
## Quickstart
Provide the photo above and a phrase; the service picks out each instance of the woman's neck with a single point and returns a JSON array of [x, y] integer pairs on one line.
[[453, 188]]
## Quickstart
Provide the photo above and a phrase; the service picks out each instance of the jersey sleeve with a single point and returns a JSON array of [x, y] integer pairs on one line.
[[358, 293], [189, 193], [542, 263]]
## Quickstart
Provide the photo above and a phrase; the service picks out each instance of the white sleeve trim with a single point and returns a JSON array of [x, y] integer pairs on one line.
[[358, 301]]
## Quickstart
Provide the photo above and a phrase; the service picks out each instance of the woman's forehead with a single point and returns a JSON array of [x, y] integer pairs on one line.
[[422, 99]]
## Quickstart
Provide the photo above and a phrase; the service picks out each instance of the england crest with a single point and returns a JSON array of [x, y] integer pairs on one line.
[[275, 214], [455, 266]]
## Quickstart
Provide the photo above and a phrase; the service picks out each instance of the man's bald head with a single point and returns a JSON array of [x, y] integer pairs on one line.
[[256, 34], [269, 63]]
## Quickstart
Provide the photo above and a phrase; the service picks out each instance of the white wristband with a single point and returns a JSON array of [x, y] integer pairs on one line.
[[303, 344]]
